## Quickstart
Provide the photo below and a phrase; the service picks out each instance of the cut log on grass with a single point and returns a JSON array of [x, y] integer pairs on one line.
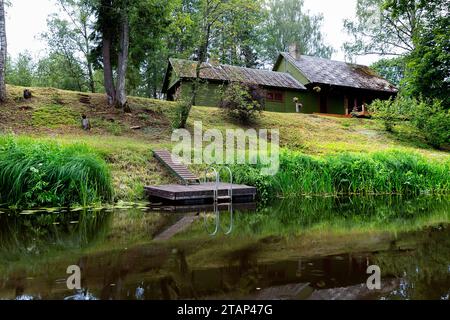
[[27, 94]]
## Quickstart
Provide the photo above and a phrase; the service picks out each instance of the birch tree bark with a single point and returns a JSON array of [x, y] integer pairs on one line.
[[3, 52]]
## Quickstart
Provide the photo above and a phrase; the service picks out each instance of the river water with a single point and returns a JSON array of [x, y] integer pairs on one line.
[[305, 248]]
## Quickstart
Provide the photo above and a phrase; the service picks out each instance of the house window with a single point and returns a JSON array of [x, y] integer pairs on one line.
[[276, 96]]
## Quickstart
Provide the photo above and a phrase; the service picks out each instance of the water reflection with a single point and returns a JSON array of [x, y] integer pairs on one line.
[[272, 253]]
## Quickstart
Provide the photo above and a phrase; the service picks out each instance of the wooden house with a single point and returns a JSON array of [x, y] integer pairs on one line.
[[319, 85]]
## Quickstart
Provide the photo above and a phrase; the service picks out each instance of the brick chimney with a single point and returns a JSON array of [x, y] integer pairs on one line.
[[294, 51]]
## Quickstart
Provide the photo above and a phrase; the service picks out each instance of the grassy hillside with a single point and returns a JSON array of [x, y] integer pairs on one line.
[[125, 140]]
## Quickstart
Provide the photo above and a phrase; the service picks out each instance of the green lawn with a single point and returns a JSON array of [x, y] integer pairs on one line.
[[54, 114]]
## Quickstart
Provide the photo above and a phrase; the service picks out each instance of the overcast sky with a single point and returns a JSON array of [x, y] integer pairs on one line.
[[27, 19]]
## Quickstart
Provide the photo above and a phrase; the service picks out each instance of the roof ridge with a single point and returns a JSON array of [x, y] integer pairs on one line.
[[228, 65], [322, 58], [340, 73], [186, 68]]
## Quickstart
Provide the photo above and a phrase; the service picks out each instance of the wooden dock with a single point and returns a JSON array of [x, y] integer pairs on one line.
[[203, 192], [191, 190]]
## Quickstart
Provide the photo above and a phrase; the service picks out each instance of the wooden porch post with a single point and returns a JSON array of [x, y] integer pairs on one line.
[[346, 105]]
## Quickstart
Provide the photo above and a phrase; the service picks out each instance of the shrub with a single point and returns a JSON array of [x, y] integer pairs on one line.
[[430, 117], [434, 122], [182, 110], [242, 101], [48, 174], [392, 111]]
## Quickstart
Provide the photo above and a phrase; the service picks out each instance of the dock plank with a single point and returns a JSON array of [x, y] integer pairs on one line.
[[176, 192]]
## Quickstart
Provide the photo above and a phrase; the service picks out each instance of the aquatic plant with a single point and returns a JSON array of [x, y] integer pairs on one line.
[[46, 173], [387, 172]]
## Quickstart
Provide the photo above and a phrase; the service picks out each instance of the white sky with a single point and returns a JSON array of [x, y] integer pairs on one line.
[[26, 19]]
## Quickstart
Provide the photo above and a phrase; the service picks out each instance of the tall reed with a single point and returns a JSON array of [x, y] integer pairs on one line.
[[388, 172], [35, 173]]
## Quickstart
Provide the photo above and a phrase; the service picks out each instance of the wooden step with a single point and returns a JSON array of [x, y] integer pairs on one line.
[[176, 167]]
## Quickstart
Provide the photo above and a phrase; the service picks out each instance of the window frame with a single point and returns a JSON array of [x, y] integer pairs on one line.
[[275, 96]]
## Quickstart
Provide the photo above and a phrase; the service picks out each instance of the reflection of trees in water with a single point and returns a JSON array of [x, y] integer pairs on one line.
[[424, 271], [290, 216], [40, 232]]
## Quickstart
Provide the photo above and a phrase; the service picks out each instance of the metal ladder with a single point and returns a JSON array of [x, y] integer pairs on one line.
[[217, 198]]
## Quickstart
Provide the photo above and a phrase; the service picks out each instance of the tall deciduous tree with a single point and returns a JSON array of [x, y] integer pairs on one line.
[[210, 14], [107, 28], [3, 52], [289, 24], [428, 65], [126, 30], [238, 35], [20, 71], [417, 31], [381, 28], [80, 14]]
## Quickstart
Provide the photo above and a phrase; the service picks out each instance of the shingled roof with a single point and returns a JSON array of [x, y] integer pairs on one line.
[[222, 72], [325, 71]]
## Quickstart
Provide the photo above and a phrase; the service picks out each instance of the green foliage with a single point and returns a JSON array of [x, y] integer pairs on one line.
[[388, 172], [21, 71], [289, 23], [430, 117], [182, 110], [243, 102], [415, 31], [434, 122], [392, 111], [47, 174], [380, 29], [392, 70], [238, 35], [428, 66], [52, 71]]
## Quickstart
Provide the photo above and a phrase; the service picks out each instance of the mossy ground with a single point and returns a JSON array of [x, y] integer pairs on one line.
[[56, 114]]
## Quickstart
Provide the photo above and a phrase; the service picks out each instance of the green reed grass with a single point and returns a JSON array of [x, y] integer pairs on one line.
[[387, 172], [49, 174]]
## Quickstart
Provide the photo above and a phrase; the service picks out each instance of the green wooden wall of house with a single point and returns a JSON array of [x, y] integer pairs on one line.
[[333, 99], [209, 94], [310, 99]]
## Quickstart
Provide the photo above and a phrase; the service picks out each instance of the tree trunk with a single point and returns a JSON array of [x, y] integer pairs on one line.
[[91, 78], [122, 63], [202, 55], [3, 52], [88, 59], [107, 68]]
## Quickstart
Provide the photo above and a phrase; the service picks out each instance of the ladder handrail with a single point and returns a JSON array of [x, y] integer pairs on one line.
[[230, 190], [216, 189], [211, 168], [217, 220]]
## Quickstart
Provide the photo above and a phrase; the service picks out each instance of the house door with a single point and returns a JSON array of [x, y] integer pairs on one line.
[[323, 104]]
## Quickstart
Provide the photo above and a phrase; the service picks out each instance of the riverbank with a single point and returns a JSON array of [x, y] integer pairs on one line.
[[124, 141]]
